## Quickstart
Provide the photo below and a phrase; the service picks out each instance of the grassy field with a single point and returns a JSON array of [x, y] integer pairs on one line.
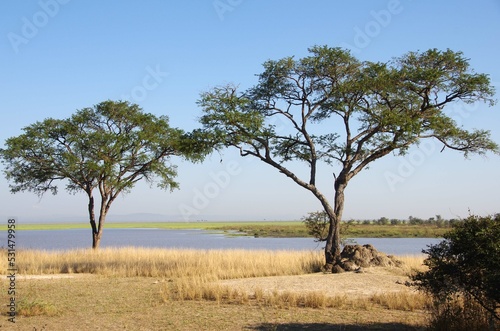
[[167, 263], [279, 229], [165, 289], [107, 303]]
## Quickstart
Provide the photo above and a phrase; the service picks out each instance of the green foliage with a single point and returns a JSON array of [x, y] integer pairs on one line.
[[330, 107], [383, 221], [384, 106], [466, 262], [108, 147], [317, 224], [111, 146]]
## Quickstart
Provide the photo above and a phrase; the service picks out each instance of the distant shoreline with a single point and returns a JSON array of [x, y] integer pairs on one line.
[[272, 229]]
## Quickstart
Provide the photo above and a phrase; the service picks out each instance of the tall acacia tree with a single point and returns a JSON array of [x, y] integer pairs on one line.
[[108, 148], [342, 111]]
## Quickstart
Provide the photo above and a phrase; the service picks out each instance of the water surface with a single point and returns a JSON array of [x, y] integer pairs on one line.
[[195, 239]]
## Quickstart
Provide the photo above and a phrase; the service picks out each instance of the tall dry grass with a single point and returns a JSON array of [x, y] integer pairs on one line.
[[412, 262], [176, 263], [197, 290], [189, 274], [169, 263]]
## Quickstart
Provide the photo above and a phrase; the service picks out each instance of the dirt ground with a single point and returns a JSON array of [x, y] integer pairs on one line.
[[371, 281], [90, 302]]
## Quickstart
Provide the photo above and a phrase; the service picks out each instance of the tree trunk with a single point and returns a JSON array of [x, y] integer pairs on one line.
[[96, 236], [96, 239], [97, 231], [96, 227], [93, 225], [332, 247]]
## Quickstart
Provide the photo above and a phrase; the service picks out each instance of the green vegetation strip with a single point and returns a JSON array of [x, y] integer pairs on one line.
[[275, 229]]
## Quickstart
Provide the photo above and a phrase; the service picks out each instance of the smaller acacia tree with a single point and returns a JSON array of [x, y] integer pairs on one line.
[[108, 147], [466, 264], [317, 224]]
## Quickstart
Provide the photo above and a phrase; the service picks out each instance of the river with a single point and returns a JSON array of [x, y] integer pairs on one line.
[[195, 239]]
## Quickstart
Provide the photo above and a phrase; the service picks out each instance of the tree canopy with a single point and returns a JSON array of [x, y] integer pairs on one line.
[[337, 110], [109, 147]]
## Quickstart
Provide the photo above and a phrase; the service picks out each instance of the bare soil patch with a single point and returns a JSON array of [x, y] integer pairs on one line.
[[374, 280]]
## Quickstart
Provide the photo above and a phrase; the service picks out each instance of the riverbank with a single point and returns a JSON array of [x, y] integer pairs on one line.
[[274, 229]]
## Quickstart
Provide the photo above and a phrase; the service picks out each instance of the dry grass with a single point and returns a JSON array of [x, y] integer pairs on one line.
[[36, 307], [92, 302], [158, 289], [198, 290], [411, 263], [404, 300], [383, 287], [168, 263], [178, 263]]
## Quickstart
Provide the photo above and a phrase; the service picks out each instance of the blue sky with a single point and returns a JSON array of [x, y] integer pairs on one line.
[[58, 56]]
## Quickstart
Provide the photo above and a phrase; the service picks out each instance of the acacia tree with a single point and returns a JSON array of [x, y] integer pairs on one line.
[[345, 113], [107, 148]]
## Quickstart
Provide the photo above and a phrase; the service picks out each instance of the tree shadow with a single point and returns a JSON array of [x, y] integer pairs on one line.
[[333, 327]]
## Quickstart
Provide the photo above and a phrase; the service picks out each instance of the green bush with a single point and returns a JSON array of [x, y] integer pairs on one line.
[[465, 265], [317, 224]]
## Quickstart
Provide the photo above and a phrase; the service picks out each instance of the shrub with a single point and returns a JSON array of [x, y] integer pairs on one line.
[[317, 224], [465, 265], [458, 314]]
